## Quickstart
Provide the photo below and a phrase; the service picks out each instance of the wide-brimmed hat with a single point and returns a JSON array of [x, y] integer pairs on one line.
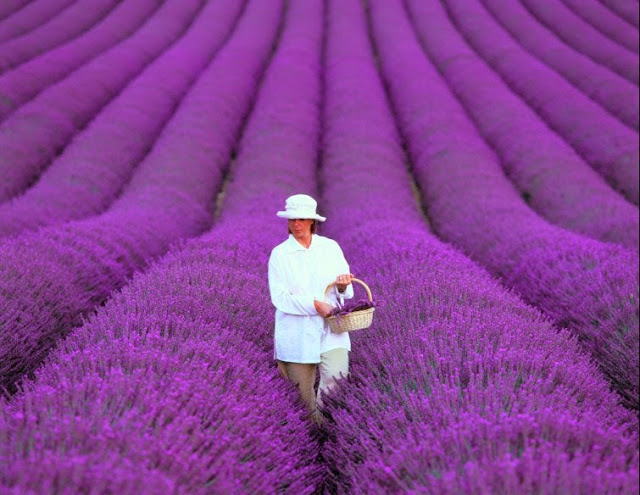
[[300, 206]]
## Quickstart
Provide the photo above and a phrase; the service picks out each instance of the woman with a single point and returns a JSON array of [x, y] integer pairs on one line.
[[300, 269]]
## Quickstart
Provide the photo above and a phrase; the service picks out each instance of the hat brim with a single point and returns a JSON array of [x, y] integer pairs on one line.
[[289, 216]]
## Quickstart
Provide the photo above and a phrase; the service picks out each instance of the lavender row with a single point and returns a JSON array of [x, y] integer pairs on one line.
[[71, 22], [609, 24], [10, 7], [90, 173], [584, 38], [35, 133], [587, 286], [623, 9], [30, 17], [551, 177], [240, 426], [605, 143], [614, 93], [458, 386], [156, 402], [24, 82], [169, 197]]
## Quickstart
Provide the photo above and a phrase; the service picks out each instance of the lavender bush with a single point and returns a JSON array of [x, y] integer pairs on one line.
[[31, 16], [588, 286], [52, 277], [551, 177], [37, 131], [458, 387], [605, 143], [25, 81], [71, 22], [616, 94], [87, 177], [580, 35], [10, 7], [625, 10], [154, 402], [608, 23]]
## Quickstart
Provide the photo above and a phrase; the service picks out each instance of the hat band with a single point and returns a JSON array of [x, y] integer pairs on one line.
[[301, 212]]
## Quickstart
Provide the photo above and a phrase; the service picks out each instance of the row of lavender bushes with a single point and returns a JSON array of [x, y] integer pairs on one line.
[[613, 92], [71, 22], [51, 278], [37, 131], [31, 16], [584, 38], [19, 85], [458, 386], [609, 146], [90, 173], [172, 385], [608, 23], [549, 174], [625, 10], [10, 7], [585, 285]]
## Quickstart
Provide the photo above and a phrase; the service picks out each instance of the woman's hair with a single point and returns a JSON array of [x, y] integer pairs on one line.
[[314, 227]]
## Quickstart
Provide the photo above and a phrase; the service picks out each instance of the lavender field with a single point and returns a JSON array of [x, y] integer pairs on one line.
[[477, 161]]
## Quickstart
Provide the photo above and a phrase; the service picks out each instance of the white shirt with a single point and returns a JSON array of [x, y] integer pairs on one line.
[[297, 276]]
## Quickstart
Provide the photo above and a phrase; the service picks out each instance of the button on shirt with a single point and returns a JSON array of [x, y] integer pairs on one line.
[[297, 276]]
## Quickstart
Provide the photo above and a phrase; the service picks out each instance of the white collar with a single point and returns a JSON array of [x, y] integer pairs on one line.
[[293, 245]]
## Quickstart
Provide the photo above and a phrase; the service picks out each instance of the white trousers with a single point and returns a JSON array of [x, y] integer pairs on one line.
[[332, 364]]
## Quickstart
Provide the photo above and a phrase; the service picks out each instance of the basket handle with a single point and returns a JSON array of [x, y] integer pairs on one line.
[[366, 287]]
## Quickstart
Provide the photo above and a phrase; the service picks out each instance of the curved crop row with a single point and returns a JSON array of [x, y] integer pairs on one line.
[[10, 7], [587, 286], [611, 91], [168, 198], [35, 133], [240, 427], [458, 386], [609, 24], [24, 82], [551, 177], [155, 403], [624, 9], [71, 22], [605, 143], [31, 16], [583, 37], [90, 173]]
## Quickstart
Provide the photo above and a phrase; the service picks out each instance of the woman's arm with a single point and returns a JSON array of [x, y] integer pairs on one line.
[[282, 299], [343, 286]]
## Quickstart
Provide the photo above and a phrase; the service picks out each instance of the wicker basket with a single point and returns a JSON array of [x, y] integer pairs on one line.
[[356, 320]]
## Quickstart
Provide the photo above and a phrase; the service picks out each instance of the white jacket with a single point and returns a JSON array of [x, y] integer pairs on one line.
[[297, 276]]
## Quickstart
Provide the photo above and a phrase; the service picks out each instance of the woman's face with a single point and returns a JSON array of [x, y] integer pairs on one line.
[[300, 227]]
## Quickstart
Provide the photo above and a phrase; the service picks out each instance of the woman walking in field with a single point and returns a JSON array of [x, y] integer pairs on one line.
[[300, 269]]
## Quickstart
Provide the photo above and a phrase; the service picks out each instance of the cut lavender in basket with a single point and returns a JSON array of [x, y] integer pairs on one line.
[[350, 307]]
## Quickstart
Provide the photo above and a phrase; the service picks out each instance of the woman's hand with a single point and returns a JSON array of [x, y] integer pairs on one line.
[[343, 280], [324, 309]]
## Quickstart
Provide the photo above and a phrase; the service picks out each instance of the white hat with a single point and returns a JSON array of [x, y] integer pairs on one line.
[[300, 206]]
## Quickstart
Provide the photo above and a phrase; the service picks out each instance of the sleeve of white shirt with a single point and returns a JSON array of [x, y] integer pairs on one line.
[[282, 299], [348, 293]]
